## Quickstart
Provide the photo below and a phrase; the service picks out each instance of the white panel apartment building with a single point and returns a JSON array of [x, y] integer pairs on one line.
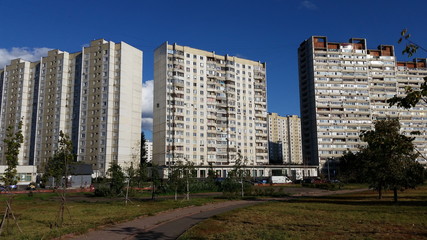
[[343, 90], [94, 96], [149, 150], [284, 139], [208, 108]]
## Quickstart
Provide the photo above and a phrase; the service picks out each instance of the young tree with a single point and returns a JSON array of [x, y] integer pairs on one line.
[[388, 160], [188, 174], [13, 141], [141, 173], [57, 166], [155, 180], [117, 178], [175, 177], [235, 181]]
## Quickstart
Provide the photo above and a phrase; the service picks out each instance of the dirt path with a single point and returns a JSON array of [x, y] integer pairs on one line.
[[171, 224]]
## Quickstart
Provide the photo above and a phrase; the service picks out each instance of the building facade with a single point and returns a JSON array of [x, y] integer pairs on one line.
[[344, 88], [208, 108], [149, 150], [93, 96], [284, 135]]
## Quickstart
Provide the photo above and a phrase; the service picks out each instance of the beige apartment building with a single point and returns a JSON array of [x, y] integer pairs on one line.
[[285, 146], [94, 96], [208, 108], [344, 88]]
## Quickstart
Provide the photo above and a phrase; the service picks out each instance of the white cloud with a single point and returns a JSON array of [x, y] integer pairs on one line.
[[29, 54], [147, 105], [308, 5]]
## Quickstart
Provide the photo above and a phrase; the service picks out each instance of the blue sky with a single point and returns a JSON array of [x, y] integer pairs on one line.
[[267, 31]]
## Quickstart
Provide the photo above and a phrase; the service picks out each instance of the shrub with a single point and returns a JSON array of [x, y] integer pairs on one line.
[[103, 192]]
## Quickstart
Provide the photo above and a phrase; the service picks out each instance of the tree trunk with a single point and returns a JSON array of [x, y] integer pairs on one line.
[[241, 183], [176, 193], [395, 194], [153, 187], [380, 193], [188, 189]]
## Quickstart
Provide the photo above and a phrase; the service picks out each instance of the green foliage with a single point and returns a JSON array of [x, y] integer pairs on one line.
[[143, 152], [103, 191], [388, 160], [413, 97], [57, 165], [13, 141], [181, 176], [117, 178], [351, 168], [236, 181], [141, 174], [411, 48], [155, 180]]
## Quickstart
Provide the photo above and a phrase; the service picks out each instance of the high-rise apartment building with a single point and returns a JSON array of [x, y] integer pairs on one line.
[[284, 139], [94, 96], [149, 150], [344, 88], [208, 108]]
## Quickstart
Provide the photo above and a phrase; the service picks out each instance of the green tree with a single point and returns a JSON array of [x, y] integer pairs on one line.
[[57, 166], [188, 174], [155, 180], [117, 178], [175, 177], [181, 177], [143, 152], [13, 141], [235, 181], [388, 159], [352, 167], [142, 173]]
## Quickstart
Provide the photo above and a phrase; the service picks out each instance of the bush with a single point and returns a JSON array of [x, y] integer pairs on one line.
[[103, 192]]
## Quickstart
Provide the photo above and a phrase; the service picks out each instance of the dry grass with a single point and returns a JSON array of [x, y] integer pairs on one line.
[[353, 216], [36, 214]]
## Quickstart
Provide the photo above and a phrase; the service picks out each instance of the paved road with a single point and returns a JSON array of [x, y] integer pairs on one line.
[[171, 224]]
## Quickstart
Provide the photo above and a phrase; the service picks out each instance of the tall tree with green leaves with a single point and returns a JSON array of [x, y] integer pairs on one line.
[[143, 152], [142, 169], [387, 162], [57, 165], [13, 142]]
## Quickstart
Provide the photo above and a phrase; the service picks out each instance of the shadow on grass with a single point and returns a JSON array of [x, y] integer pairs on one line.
[[138, 233], [365, 200]]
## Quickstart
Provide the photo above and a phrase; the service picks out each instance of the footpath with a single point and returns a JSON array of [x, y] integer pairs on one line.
[[171, 224]]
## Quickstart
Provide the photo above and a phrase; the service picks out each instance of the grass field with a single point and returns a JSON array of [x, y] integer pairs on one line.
[[351, 216], [37, 213]]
